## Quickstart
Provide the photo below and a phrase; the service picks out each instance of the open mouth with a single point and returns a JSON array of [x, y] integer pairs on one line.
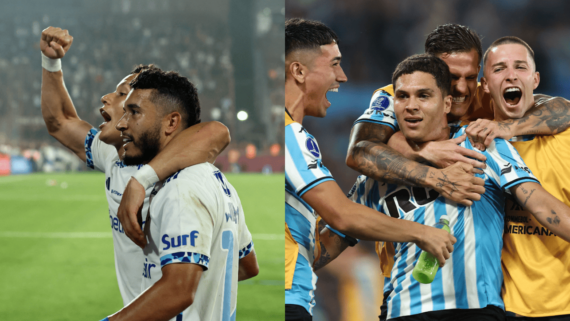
[[334, 90], [512, 95], [413, 120], [106, 117], [459, 100], [126, 139]]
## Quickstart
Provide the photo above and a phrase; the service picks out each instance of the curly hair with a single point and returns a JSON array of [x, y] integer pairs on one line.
[[142, 67], [172, 92]]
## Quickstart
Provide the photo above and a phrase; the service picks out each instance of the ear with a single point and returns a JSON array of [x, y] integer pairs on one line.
[[298, 71], [485, 85], [478, 69], [447, 100], [172, 122], [536, 79]]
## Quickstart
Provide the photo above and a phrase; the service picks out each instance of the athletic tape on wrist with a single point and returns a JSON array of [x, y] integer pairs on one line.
[[146, 176], [51, 65]]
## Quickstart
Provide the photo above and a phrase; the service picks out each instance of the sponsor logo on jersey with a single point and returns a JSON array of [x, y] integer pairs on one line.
[[522, 168], [312, 147], [508, 168], [174, 242], [147, 267], [225, 187], [116, 224], [233, 215], [380, 103]]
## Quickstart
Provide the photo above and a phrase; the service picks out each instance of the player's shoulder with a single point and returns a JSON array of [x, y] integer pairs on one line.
[[386, 90]]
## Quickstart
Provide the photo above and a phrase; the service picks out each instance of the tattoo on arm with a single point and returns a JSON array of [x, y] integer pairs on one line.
[[555, 220], [338, 244], [375, 159], [526, 200], [550, 112]]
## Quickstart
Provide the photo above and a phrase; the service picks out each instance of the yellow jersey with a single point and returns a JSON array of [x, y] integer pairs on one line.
[[536, 263]]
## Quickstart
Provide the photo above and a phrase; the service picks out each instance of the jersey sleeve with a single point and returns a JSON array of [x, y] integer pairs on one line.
[[507, 165], [186, 226], [96, 152], [245, 241], [380, 111], [304, 167]]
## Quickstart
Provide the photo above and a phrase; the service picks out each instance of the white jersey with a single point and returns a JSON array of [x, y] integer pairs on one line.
[[195, 216], [128, 256]]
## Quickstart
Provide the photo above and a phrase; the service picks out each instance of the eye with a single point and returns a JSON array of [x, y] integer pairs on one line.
[[497, 69], [521, 67]]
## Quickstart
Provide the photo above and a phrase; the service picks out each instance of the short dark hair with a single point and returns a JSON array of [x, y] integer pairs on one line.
[[142, 67], [172, 92], [307, 34], [429, 64], [452, 38], [509, 40]]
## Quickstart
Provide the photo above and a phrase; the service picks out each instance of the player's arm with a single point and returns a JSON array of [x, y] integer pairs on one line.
[[441, 154], [165, 299], [369, 155], [197, 144], [331, 245], [547, 209], [548, 116], [248, 267], [58, 111], [365, 223]]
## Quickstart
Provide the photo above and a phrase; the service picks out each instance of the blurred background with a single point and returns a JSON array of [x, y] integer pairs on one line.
[[375, 35], [231, 50], [55, 218]]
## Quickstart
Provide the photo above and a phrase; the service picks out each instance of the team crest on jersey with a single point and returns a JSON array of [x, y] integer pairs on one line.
[[224, 185], [312, 147], [380, 103]]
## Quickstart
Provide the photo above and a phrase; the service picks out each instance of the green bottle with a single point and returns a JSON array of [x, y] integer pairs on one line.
[[427, 265]]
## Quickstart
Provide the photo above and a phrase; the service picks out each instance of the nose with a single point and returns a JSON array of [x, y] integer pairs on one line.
[[341, 76], [412, 105], [122, 123], [105, 99], [460, 86], [511, 74]]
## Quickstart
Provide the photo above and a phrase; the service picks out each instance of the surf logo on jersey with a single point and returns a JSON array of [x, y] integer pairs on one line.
[[147, 267], [108, 183], [380, 103], [174, 242], [312, 147], [220, 178]]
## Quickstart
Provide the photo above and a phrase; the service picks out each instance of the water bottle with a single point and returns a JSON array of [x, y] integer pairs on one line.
[[427, 265]]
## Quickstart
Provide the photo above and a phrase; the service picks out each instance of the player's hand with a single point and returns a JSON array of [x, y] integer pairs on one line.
[[55, 42], [437, 242], [482, 132], [129, 212], [448, 152], [458, 183]]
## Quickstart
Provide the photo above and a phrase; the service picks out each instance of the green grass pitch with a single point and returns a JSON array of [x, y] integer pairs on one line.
[[50, 276]]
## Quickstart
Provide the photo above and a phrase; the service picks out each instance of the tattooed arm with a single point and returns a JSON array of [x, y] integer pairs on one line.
[[548, 116], [331, 245], [547, 209], [369, 155]]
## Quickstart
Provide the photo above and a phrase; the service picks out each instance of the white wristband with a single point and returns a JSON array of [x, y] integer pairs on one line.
[[51, 65], [146, 176]]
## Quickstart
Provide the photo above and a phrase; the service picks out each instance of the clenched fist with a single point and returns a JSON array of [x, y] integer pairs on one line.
[[55, 42]]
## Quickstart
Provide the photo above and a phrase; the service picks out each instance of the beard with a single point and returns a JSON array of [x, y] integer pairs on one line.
[[148, 144]]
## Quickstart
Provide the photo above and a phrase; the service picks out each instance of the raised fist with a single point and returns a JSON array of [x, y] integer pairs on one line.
[[55, 42]]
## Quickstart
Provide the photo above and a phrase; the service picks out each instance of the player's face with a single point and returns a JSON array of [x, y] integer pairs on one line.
[[464, 68], [140, 128], [112, 111], [420, 109], [324, 74], [510, 78]]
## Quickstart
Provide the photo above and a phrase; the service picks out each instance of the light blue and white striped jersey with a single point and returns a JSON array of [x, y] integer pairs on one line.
[[472, 277], [303, 170], [381, 109]]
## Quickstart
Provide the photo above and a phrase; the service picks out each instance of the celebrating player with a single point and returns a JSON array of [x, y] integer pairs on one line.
[[103, 150], [535, 261], [313, 69], [468, 286], [195, 225]]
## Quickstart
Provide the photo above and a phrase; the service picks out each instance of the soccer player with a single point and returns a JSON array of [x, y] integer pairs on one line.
[[312, 61], [103, 150], [468, 286], [195, 224], [536, 262]]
